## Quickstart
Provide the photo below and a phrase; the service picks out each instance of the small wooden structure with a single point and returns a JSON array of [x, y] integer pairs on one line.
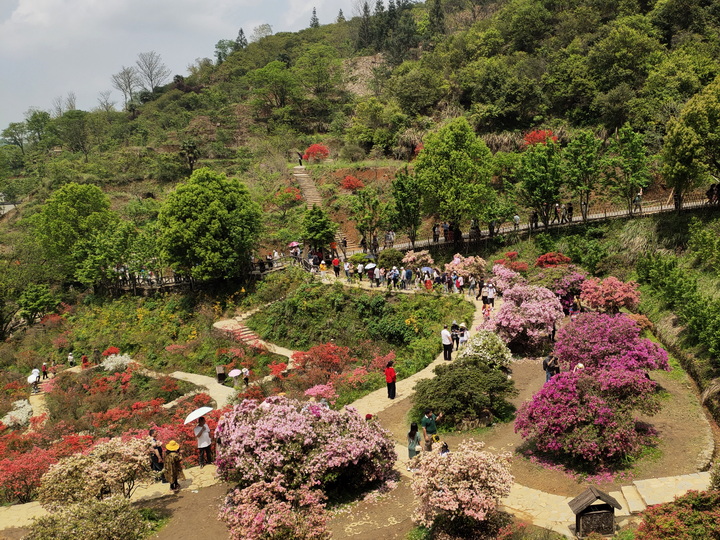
[[591, 517], [220, 373]]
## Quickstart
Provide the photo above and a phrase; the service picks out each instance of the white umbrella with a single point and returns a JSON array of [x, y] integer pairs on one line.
[[32, 378], [370, 266], [235, 373], [197, 413]]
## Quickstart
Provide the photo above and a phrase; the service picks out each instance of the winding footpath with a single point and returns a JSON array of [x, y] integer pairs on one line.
[[539, 508]]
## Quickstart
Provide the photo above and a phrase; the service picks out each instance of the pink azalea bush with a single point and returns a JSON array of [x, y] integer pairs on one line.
[[296, 446], [464, 484], [466, 266], [504, 278], [564, 280], [320, 391], [610, 294], [417, 259], [602, 341], [527, 317], [588, 415]]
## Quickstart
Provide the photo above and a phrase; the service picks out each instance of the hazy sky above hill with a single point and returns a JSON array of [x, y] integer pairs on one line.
[[51, 47]]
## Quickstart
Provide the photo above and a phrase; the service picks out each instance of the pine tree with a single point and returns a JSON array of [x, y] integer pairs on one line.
[[314, 21], [240, 41], [437, 19], [380, 29], [365, 30], [340, 17]]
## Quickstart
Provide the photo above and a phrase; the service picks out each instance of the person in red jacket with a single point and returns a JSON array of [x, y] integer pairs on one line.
[[390, 378]]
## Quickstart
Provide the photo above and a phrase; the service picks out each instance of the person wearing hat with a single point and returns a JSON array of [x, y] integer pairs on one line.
[[455, 334], [44, 370], [173, 465], [463, 334]]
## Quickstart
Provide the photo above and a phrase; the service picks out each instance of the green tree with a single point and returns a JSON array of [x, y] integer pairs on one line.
[[190, 152], [370, 212], [319, 70], [629, 170], [100, 255], [496, 211], [365, 29], [582, 166], [682, 156], [314, 21], [73, 128], [407, 203], [241, 41], [541, 178], [35, 301], [72, 214], [16, 134], [223, 49], [37, 123], [273, 86], [454, 170], [10, 290], [702, 114], [209, 226], [318, 229], [436, 20]]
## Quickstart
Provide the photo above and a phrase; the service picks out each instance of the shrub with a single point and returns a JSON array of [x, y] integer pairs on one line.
[[286, 455], [321, 362], [463, 485], [352, 183], [565, 281], [505, 278], [715, 477], [588, 415], [551, 259], [92, 519], [316, 152], [598, 340], [469, 392], [539, 136], [694, 515], [610, 295], [487, 347], [390, 257], [20, 474], [418, 259], [111, 468], [466, 266], [527, 317]]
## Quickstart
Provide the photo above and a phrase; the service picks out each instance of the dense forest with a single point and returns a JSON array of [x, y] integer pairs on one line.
[[497, 107]]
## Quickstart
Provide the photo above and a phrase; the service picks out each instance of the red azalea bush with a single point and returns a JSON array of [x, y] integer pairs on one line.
[[603, 341], [693, 515], [527, 317], [316, 152], [352, 183], [111, 350], [320, 363], [551, 259], [610, 294], [588, 415], [539, 136]]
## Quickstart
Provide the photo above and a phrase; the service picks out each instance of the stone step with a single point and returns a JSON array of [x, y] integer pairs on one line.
[[619, 497], [636, 504], [661, 490]]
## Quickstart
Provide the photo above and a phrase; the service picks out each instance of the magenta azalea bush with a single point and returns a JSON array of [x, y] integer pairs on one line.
[[565, 281], [527, 317], [295, 447], [604, 341], [466, 484], [588, 414]]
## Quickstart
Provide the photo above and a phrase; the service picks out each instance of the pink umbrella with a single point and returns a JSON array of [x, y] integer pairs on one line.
[[293, 244], [235, 373]]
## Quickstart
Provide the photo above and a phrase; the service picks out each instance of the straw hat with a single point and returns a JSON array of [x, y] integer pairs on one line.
[[172, 446]]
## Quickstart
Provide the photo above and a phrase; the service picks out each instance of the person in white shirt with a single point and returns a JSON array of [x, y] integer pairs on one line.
[[204, 441], [447, 343]]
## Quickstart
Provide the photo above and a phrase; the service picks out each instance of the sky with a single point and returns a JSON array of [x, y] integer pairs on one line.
[[51, 47]]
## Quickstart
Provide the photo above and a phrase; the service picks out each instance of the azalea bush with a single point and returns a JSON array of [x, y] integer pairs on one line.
[[110, 468], [463, 486], [91, 519], [527, 317], [551, 259], [539, 136], [352, 183], [564, 280], [505, 278], [610, 294], [487, 347], [466, 266], [693, 515], [599, 340], [321, 362], [288, 449], [418, 259], [587, 415], [316, 152]]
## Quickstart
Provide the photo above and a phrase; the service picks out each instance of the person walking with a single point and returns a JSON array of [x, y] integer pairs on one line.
[[413, 438], [390, 379], [204, 442], [336, 266], [447, 343], [491, 291], [173, 466], [429, 427], [44, 370], [455, 334]]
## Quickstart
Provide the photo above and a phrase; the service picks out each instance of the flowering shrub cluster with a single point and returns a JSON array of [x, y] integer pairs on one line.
[[504, 277], [487, 347], [322, 391], [352, 183], [693, 515], [510, 261], [612, 342], [588, 414], [418, 259], [610, 295], [466, 266], [539, 136], [110, 351], [316, 152], [527, 317], [288, 449], [20, 414], [465, 485], [564, 280], [110, 468], [551, 259]]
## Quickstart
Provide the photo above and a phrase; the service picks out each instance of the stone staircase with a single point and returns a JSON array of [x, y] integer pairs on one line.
[[636, 497], [307, 187]]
